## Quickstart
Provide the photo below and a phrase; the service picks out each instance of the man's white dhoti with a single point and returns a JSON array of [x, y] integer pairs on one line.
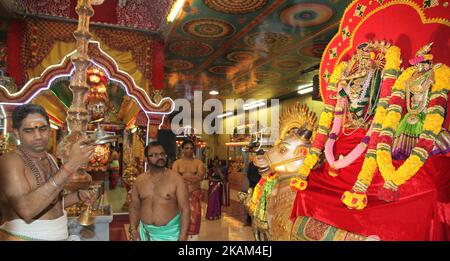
[[54, 229]]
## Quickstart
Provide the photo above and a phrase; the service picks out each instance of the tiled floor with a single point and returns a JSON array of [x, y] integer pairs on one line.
[[229, 228], [116, 198]]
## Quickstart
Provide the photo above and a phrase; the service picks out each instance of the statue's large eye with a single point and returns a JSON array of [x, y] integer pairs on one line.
[[283, 149], [301, 151]]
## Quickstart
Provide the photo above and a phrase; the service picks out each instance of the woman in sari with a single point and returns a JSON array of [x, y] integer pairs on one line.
[[216, 178]]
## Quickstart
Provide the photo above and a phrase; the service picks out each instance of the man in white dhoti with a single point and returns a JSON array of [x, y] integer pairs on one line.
[[31, 183]]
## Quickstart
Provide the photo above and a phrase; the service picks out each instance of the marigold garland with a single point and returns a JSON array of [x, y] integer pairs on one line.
[[357, 198], [299, 182], [432, 126]]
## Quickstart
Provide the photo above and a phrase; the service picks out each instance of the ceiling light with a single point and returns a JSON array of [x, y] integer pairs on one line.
[[305, 91], [213, 92], [304, 86], [254, 104], [225, 115], [176, 8]]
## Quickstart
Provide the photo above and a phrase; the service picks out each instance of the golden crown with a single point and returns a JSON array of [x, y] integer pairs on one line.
[[424, 50]]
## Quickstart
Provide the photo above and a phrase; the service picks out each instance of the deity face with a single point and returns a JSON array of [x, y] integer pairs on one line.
[[34, 133], [423, 66], [356, 88], [286, 157]]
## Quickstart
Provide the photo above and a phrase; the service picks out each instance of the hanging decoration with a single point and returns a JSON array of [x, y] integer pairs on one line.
[[97, 99]]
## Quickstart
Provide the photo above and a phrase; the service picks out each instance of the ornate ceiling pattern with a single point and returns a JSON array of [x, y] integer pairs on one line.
[[242, 48], [145, 15], [236, 7], [248, 48]]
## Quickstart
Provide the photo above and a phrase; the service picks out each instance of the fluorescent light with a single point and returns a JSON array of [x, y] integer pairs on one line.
[[175, 10], [304, 86], [225, 114], [5, 123], [213, 92], [304, 91], [255, 104]]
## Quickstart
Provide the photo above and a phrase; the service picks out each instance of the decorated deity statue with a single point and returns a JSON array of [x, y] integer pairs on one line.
[[412, 90], [423, 88], [358, 94], [271, 200], [360, 86], [417, 91]]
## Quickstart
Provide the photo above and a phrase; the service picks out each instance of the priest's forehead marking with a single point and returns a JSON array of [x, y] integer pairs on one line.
[[36, 123]]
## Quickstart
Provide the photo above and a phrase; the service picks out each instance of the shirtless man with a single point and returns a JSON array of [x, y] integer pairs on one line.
[[31, 183], [159, 209], [192, 170]]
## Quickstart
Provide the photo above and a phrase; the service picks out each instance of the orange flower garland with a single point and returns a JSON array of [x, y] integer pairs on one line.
[[357, 198], [299, 182], [432, 126]]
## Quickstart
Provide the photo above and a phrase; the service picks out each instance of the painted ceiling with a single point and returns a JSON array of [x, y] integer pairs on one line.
[[248, 48], [244, 49]]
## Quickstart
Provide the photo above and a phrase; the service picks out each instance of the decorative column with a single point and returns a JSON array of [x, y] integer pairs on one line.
[[77, 115]]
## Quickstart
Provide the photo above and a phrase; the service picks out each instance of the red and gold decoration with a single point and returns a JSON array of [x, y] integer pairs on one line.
[[97, 99], [40, 36], [413, 181], [100, 159]]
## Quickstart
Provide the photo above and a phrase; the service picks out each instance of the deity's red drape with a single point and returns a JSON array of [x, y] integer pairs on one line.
[[422, 213]]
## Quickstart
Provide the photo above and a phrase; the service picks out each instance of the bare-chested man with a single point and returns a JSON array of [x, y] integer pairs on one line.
[[159, 209], [31, 183], [192, 170]]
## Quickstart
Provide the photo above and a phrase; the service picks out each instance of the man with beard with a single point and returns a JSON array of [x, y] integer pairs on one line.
[[192, 170], [159, 209], [31, 183]]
